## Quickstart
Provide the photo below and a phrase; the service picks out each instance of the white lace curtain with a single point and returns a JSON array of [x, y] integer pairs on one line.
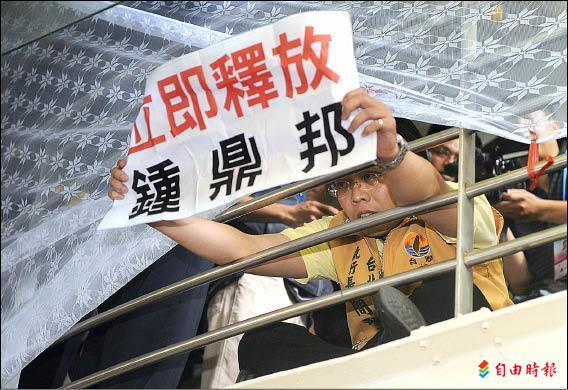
[[69, 99]]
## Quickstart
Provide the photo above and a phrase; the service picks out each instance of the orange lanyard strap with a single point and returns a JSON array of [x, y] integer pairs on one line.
[[533, 160]]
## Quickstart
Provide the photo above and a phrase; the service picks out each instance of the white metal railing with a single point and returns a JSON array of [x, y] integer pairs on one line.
[[465, 258]]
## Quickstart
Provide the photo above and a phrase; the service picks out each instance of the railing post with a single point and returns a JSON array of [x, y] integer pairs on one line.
[[466, 176]]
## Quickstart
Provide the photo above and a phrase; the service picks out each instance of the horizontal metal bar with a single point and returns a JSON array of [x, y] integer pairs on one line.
[[278, 251], [519, 244], [295, 188], [511, 177], [429, 141], [67, 25], [475, 257], [269, 198]]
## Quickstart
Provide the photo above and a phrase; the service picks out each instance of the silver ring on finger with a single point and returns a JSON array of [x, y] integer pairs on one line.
[[380, 122]]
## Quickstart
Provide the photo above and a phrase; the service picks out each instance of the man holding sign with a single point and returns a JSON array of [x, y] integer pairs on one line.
[[401, 178]]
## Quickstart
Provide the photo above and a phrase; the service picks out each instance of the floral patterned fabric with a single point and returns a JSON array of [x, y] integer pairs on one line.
[[69, 100]]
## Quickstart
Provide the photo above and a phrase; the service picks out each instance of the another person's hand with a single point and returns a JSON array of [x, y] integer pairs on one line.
[[117, 180], [520, 205], [317, 193], [381, 121], [308, 211]]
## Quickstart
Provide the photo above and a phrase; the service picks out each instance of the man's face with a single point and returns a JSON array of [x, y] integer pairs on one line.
[[365, 193], [445, 154]]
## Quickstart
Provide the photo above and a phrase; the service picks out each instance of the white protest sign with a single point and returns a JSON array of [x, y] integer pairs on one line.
[[256, 111]]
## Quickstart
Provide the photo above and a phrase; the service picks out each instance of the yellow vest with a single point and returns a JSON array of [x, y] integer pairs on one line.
[[411, 245]]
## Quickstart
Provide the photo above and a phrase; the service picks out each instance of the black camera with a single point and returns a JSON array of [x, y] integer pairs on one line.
[[490, 161], [494, 163]]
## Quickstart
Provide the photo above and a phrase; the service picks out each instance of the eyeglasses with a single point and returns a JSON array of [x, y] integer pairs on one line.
[[340, 188], [444, 153]]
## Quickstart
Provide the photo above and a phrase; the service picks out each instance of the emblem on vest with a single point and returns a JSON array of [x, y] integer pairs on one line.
[[416, 245]]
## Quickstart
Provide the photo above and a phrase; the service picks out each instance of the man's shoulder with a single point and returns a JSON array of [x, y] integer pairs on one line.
[[321, 223], [480, 200], [308, 228]]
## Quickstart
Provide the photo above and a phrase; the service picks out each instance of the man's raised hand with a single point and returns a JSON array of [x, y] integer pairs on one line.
[[117, 180]]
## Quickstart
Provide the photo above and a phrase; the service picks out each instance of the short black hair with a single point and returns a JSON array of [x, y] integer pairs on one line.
[[435, 128], [407, 129]]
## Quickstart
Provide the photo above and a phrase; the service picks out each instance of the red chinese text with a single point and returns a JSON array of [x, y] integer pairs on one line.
[[501, 369], [151, 141], [516, 370], [307, 54], [549, 369], [246, 67], [532, 369], [177, 92]]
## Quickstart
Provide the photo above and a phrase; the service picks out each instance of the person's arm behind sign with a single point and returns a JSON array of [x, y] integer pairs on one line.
[[290, 215]]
